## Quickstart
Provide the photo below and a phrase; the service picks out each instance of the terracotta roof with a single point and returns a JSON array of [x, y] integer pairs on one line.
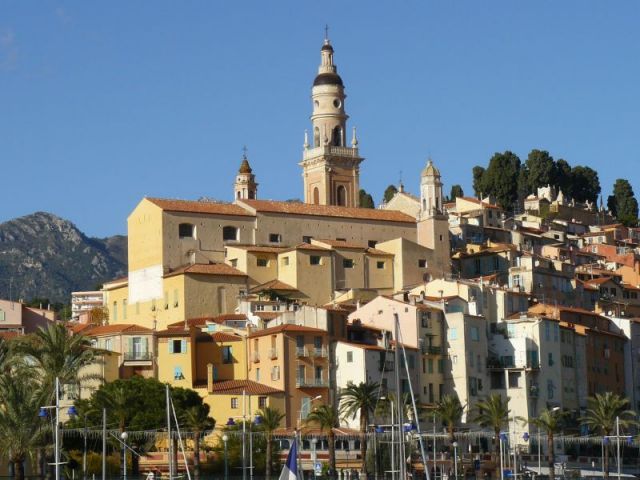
[[80, 327], [193, 206], [115, 328], [274, 285], [375, 251], [363, 346], [258, 248], [9, 335], [192, 322], [115, 281], [294, 208], [598, 281], [288, 328], [207, 269], [229, 316], [226, 337], [340, 244], [174, 332], [236, 387], [308, 246], [479, 202]]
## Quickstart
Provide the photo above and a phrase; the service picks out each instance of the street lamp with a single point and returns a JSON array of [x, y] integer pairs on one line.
[[314, 441], [225, 439], [124, 436], [43, 413], [455, 459]]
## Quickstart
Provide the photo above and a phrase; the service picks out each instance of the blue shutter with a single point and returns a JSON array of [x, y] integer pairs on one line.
[[184, 346], [170, 345]]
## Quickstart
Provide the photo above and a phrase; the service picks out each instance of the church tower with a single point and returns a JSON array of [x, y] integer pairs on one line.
[[433, 223], [245, 187], [330, 167], [431, 198]]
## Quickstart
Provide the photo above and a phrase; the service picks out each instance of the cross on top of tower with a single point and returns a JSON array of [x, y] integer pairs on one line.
[[244, 152], [326, 34]]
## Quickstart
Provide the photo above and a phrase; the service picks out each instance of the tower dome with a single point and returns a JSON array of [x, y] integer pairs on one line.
[[245, 186]]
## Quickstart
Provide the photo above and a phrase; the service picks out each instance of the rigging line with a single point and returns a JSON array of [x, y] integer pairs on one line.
[[413, 400], [184, 455]]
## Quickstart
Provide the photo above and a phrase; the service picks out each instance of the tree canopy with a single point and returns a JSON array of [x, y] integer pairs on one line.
[[456, 192], [623, 204], [389, 192], [366, 200]]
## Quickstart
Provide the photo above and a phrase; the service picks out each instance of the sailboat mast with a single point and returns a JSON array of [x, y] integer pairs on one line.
[[170, 443], [399, 403]]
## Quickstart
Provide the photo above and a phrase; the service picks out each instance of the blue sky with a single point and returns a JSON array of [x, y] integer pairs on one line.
[[104, 103]]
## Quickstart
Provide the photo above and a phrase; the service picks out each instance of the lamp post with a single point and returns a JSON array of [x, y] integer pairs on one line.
[[225, 439], [43, 414], [124, 436], [455, 459], [314, 457]]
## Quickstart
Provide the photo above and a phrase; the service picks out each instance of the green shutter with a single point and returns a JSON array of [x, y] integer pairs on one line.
[[129, 344], [184, 346], [170, 345]]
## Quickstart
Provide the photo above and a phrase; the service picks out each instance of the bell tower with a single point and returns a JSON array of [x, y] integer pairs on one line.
[[245, 186], [330, 167]]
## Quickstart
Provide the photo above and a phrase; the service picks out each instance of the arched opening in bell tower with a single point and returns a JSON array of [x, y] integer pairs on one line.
[[316, 196], [336, 137], [341, 196], [316, 137]]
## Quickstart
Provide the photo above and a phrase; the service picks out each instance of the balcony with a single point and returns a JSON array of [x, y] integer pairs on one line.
[[386, 365], [255, 357], [311, 382], [330, 150], [321, 352], [273, 353], [137, 357], [431, 350], [302, 352]]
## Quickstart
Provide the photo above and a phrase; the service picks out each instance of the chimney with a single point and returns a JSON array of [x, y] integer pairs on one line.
[[210, 377]]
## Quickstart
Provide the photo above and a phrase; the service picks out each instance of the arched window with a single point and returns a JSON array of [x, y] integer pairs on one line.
[[229, 233], [337, 137], [239, 194], [316, 196], [186, 230], [316, 137], [252, 194], [341, 195]]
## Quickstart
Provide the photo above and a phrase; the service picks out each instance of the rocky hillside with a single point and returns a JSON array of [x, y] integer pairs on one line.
[[42, 255]]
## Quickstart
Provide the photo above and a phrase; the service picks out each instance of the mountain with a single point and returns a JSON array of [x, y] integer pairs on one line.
[[42, 255]]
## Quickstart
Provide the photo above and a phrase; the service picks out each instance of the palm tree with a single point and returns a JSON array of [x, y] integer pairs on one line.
[[450, 410], [271, 418], [601, 414], [55, 352], [197, 420], [21, 434], [362, 399], [493, 412], [551, 422], [327, 418]]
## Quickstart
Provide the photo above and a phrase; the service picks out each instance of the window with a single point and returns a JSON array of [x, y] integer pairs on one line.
[[550, 359], [475, 334], [275, 373], [262, 402], [175, 298], [372, 243], [275, 238], [229, 233], [347, 263], [234, 402], [227, 355], [124, 309], [2, 317], [177, 345], [306, 239], [349, 357], [284, 261], [422, 263], [108, 344], [314, 260], [258, 374], [115, 311], [186, 230], [262, 262], [234, 262], [425, 319], [453, 334], [477, 266], [177, 373], [511, 331], [380, 264], [430, 365]]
